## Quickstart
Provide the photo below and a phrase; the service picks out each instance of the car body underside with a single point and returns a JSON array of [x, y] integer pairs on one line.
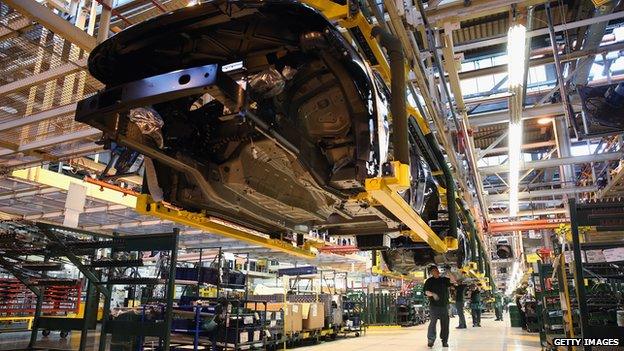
[[259, 113]]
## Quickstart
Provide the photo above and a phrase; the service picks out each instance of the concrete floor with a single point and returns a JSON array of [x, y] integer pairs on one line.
[[19, 341], [492, 336]]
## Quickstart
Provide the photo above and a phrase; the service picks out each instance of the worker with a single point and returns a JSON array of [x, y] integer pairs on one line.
[[519, 304], [460, 290], [437, 289], [498, 305], [475, 305]]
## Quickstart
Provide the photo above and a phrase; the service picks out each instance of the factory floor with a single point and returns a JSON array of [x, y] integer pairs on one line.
[[492, 336]]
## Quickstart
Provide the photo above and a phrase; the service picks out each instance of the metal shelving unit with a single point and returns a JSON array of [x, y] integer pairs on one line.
[[148, 325], [557, 313], [590, 223], [27, 247], [51, 242]]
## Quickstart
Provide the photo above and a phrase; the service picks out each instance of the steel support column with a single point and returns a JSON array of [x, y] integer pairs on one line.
[[105, 19], [562, 131]]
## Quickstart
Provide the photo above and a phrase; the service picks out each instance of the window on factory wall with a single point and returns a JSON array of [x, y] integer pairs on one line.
[[480, 86], [537, 79], [614, 64], [483, 84]]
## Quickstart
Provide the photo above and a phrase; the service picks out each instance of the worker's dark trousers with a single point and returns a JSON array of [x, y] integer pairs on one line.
[[523, 322], [438, 313], [499, 312], [476, 315], [459, 305]]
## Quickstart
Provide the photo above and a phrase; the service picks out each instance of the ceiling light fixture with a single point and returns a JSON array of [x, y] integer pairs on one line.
[[544, 121], [516, 47]]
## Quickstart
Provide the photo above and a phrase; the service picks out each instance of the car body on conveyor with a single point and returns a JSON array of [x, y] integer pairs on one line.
[[262, 114]]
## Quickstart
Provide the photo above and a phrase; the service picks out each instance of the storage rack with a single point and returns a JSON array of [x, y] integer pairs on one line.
[[227, 288], [125, 253], [330, 329], [28, 252], [354, 304], [223, 279], [272, 326], [590, 222], [23, 241], [190, 321], [382, 307], [558, 317], [421, 303], [411, 306], [17, 300]]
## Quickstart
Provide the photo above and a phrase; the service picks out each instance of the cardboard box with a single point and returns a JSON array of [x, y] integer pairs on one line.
[[614, 255], [313, 316], [295, 322], [594, 256], [293, 314], [243, 337]]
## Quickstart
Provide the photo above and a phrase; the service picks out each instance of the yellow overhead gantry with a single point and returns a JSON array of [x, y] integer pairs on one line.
[[146, 206], [379, 270]]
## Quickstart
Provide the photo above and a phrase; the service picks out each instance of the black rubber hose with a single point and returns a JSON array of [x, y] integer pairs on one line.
[[398, 104], [398, 107], [475, 246], [480, 258], [473, 233], [450, 184]]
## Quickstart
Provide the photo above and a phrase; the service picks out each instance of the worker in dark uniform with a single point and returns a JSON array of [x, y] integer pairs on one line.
[[520, 306], [460, 290], [475, 305], [498, 305], [437, 289]]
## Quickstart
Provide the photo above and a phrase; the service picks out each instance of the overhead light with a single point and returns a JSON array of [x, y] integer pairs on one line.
[[516, 47], [544, 121], [192, 3]]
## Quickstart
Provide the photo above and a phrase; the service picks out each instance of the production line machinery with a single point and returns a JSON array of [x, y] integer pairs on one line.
[[236, 142]]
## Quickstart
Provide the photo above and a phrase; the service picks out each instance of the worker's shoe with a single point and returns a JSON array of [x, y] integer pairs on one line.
[[461, 327], [445, 344], [430, 344]]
